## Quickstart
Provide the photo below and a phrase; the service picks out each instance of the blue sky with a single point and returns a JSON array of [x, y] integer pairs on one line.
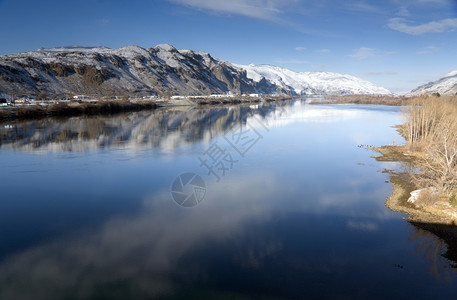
[[397, 44]]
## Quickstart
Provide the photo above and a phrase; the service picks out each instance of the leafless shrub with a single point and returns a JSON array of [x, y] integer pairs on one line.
[[427, 197], [431, 127]]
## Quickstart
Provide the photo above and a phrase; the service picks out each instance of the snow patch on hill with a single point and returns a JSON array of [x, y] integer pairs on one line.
[[311, 83]]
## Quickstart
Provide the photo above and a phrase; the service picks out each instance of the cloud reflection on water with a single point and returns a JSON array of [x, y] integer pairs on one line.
[[297, 210], [145, 249]]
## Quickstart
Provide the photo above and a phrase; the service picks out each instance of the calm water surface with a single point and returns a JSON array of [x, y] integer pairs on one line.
[[292, 208]]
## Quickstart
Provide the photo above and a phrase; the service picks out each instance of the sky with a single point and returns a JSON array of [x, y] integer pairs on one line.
[[397, 44]]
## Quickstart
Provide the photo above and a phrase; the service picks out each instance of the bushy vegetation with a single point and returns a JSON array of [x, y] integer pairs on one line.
[[364, 99], [73, 109], [453, 199], [431, 130]]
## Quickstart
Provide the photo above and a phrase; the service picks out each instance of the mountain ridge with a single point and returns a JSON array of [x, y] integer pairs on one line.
[[446, 85], [162, 70]]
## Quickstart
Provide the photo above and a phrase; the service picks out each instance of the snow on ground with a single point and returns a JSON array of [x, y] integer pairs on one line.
[[414, 196]]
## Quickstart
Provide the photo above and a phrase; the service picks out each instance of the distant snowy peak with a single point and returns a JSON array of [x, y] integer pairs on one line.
[[446, 85], [452, 73], [165, 47], [311, 83]]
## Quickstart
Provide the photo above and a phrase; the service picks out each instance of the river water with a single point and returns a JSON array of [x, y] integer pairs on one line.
[[271, 201]]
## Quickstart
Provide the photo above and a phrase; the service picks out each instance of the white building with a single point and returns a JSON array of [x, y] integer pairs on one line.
[[81, 97]]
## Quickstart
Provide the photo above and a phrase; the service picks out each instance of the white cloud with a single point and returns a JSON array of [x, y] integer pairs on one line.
[[363, 226], [402, 25], [363, 53], [259, 9], [403, 12], [300, 48], [292, 61], [320, 66], [364, 7], [432, 1], [324, 51], [427, 50], [376, 73]]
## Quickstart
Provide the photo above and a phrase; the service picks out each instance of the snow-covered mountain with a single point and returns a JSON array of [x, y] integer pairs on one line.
[[446, 85], [311, 83], [161, 70]]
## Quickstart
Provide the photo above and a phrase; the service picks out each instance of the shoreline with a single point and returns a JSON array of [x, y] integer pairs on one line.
[[117, 106], [402, 187], [365, 99], [73, 109]]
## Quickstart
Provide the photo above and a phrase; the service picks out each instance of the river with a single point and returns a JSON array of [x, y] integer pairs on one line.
[[275, 201]]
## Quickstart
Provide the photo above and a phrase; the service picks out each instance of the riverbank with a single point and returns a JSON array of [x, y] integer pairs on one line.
[[103, 107], [438, 211], [240, 100], [365, 99], [74, 109]]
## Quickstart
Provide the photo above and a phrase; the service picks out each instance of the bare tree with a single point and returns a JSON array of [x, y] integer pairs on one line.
[[431, 127]]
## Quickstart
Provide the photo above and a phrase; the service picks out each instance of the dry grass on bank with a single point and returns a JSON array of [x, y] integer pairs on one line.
[[365, 99]]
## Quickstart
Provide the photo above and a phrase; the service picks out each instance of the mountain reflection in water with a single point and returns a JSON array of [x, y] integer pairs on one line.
[[160, 128]]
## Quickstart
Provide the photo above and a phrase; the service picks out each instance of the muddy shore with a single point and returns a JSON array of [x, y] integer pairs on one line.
[[402, 186]]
